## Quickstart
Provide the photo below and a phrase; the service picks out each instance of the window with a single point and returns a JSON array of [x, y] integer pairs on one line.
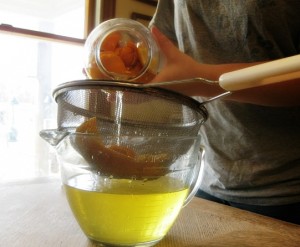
[[41, 46]]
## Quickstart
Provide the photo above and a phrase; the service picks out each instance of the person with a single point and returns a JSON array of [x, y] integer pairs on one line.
[[252, 137]]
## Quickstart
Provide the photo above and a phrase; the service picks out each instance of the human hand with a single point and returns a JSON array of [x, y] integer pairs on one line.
[[176, 64]]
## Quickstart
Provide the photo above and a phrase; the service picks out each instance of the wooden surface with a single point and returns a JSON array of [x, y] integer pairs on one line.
[[36, 214]]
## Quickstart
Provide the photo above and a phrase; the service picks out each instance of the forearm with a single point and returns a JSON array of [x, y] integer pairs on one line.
[[280, 94]]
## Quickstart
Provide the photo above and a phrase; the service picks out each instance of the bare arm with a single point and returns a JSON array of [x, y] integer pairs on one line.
[[180, 66]]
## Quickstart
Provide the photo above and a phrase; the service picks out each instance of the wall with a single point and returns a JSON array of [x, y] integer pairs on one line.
[[125, 9]]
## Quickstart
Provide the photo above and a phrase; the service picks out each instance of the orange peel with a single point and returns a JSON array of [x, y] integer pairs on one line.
[[116, 161], [129, 54], [121, 58], [111, 42], [112, 62]]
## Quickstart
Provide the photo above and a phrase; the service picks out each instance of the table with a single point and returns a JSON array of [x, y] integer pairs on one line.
[[35, 213]]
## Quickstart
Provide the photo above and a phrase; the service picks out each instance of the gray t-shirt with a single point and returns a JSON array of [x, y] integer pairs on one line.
[[252, 152]]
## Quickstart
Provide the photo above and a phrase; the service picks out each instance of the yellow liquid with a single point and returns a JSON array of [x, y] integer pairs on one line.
[[128, 212]]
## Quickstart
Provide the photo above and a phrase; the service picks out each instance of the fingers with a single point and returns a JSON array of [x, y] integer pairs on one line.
[[177, 65], [166, 46]]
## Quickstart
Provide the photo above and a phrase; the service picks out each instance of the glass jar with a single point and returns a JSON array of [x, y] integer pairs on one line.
[[121, 49]]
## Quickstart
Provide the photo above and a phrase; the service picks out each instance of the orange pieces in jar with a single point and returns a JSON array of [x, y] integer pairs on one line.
[[121, 59]]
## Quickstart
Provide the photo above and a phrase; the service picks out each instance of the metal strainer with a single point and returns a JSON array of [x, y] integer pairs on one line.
[[126, 110], [144, 109]]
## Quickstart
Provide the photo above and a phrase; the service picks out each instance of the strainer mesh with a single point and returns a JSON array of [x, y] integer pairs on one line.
[[126, 110]]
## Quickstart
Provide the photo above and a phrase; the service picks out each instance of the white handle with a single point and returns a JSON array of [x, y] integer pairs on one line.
[[267, 73]]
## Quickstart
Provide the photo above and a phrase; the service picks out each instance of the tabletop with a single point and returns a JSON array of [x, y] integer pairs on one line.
[[35, 213]]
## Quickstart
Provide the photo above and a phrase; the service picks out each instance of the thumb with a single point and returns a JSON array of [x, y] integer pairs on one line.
[[166, 46]]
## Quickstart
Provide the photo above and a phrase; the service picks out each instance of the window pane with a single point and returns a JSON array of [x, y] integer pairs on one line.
[[62, 17], [30, 70]]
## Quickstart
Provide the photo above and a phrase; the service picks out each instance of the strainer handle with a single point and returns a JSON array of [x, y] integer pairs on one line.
[[263, 74], [197, 178]]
